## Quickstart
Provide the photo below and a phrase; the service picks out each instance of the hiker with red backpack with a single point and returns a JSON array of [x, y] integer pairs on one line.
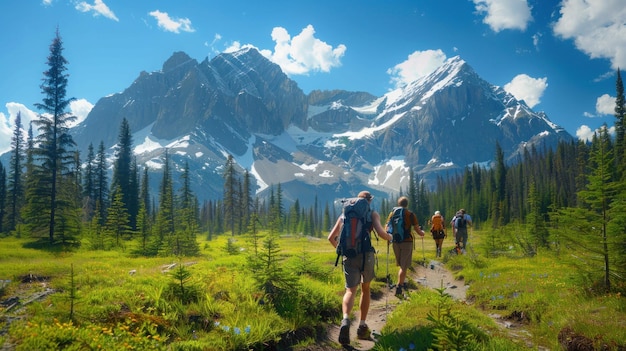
[[438, 231], [351, 237]]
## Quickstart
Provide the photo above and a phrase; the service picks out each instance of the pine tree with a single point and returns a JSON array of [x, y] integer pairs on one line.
[[89, 184], [620, 125], [3, 196], [165, 217], [101, 187], [586, 227], [15, 188], [123, 175], [117, 223], [53, 152], [231, 196]]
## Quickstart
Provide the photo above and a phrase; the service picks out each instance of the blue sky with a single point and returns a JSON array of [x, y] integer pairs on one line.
[[559, 56]]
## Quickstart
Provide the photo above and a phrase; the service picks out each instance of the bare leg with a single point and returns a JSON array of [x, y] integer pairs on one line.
[[365, 300]]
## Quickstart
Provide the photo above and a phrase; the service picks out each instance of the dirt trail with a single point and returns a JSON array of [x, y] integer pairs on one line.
[[432, 275]]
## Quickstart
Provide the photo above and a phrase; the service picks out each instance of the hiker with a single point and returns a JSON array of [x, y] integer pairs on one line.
[[460, 222], [357, 270], [438, 230], [404, 250]]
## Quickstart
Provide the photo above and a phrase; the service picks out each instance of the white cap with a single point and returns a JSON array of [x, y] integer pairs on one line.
[[437, 213]]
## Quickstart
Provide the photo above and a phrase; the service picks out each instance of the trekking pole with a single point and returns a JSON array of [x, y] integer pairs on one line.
[[423, 252], [388, 276]]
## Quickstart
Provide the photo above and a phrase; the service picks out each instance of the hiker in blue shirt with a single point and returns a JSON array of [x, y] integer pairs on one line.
[[460, 222]]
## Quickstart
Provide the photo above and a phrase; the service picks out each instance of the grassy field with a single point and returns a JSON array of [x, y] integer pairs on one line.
[[223, 300]]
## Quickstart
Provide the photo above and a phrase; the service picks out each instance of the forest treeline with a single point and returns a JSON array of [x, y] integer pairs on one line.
[[572, 198]]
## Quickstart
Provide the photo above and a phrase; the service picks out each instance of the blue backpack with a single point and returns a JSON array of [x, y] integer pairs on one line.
[[395, 225], [355, 231]]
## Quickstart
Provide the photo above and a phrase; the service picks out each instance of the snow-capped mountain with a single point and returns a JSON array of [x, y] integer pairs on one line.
[[327, 144]]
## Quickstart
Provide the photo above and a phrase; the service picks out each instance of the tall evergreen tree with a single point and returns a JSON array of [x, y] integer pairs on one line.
[[144, 194], [101, 185], [620, 124], [165, 216], [89, 184], [231, 196], [123, 174], [3, 196], [15, 187], [53, 152]]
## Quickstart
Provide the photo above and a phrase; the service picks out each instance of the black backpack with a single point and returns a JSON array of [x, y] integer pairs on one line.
[[395, 225], [460, 221], [355, 231]]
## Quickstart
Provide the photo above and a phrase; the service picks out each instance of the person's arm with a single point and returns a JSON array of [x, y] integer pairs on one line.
[[468, 218], [333, 236], [378, 227], [416, 226]]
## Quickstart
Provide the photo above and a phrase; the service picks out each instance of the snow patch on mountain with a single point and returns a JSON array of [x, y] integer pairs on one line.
[[390, 172], [369, 131]]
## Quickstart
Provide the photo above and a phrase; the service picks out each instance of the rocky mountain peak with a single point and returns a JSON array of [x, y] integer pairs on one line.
[[328, 144]]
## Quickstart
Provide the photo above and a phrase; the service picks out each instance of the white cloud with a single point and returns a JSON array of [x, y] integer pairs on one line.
[[597, 27], [170, 24], [504, 14], [585, 133], [304, 52], [98, 8], [527, 88], [417, 65], [236, 46], [46, 2], [80, 109], [605, 105], [7, 123]]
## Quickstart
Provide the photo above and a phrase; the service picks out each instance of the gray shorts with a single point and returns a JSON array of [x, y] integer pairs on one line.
[[355, 272]]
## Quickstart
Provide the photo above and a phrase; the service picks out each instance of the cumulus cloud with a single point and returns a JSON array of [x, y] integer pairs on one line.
[[504, 14], [303, 53], [236, 46], [527, 88], [585, 133], [417, 65], [597, 27], [98, 8], [7, 123], [605, 105], [80, 108], [171, 24]]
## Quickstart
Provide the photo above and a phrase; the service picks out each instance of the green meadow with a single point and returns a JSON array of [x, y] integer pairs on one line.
[[282, 293]]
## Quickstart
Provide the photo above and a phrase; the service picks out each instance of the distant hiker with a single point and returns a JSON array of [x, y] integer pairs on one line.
[[357, 269], [403, 248], [438, 230], [460, 222]]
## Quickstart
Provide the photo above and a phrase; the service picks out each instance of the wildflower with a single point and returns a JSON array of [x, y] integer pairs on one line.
[[247, 330], [237, 331]]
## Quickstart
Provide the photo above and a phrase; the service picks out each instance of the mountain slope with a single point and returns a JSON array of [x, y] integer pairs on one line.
[[327, 145]]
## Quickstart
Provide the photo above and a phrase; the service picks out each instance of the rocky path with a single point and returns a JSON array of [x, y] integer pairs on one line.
[[432, 275]]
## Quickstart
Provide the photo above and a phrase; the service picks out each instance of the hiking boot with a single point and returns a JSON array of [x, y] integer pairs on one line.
[[364, 333], [399, 290], [344, 332]]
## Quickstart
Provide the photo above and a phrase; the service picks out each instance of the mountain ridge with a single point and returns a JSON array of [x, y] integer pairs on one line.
[[324, 145]]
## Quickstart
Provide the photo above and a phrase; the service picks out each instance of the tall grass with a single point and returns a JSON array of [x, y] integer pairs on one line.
[[122, 301]]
